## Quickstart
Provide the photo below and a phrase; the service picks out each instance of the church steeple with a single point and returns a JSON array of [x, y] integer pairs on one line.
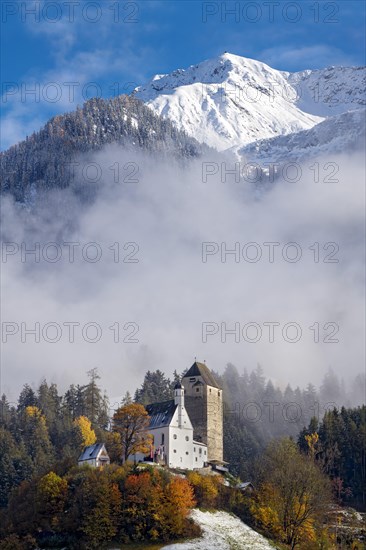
[[179, 400]]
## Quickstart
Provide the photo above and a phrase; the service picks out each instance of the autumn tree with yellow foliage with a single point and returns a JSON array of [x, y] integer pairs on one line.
[[85, 431], [293, 495], [206, 488], [51, 497], [312, 442], [131, 421]]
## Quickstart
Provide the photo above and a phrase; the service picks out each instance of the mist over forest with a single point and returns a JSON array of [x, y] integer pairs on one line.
[[153, 264]]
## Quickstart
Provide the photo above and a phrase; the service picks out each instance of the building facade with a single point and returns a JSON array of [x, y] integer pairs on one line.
[[95, 455], [173, 444]]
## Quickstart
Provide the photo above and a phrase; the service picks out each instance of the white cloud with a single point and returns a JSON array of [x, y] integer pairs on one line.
[[170, 292], [308, 57], [109, 54]]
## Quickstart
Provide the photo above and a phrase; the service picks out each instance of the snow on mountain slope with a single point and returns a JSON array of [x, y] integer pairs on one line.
[[222, 531], [343, 133], [229, 100], [233, 101], [330, 91]]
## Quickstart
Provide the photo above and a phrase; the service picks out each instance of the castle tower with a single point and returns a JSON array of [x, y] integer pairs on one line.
[[203, 401]]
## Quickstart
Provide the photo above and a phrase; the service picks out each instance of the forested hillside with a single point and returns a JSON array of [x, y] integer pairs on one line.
[[340, 449], [44, 160], [46, 428]]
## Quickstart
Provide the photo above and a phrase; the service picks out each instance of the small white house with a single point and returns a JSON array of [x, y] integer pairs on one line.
[[172, 432], [95, 455]]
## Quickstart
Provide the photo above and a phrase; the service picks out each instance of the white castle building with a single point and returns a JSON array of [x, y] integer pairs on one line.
[[187, 432]]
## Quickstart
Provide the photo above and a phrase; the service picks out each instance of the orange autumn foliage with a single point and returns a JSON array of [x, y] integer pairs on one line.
[[131, 422], [179, 499], [180, 494], [116, 503], [155, 506]]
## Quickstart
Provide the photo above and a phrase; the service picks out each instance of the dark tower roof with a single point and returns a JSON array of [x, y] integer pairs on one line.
[[200, 369], [178, 386]]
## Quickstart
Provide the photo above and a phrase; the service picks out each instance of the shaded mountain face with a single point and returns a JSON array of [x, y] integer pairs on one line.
[[231, 101], [331, 91], [344, 133], [45, 160]]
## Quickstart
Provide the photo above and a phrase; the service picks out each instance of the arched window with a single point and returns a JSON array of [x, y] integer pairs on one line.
[[162, 439]]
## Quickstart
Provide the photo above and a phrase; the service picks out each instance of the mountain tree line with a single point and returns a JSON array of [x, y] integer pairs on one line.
[[339, 447], [43, 160], [46, 429]]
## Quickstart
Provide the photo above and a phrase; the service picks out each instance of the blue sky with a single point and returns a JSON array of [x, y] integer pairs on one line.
[[69, 51]]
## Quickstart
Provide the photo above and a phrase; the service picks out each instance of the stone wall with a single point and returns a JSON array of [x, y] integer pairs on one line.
[[204, 406]]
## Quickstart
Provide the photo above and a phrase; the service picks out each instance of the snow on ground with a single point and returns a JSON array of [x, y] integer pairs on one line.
[[222, 531]]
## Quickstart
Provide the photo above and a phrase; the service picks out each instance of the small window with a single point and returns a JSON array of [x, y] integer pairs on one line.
[[200, 450], [218, 393], [205, 452], [162, 439], [175, 450], [196, 459], [197, 389], [194, 449], [175, 436], [187, 438], [210, 390], [187, 453], [192, 379]]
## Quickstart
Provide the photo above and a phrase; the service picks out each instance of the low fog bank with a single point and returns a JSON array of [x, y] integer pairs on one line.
[[134, 287]]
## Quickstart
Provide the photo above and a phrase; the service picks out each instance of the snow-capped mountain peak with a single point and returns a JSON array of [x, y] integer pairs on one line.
[[231, 100], [228, 100], [211, 71]]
